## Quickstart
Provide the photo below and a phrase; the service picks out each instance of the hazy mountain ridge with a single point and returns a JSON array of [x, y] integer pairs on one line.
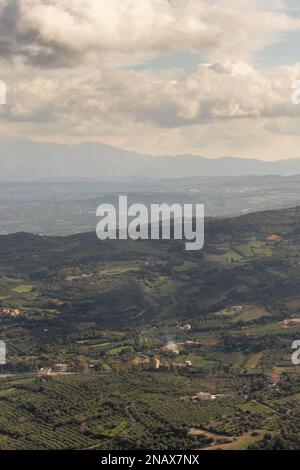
[[25, 160]]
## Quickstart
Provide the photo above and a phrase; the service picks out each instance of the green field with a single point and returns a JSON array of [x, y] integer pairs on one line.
[[158, 341]]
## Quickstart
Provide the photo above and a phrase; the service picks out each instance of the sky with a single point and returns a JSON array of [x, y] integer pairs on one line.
[[205, 77]]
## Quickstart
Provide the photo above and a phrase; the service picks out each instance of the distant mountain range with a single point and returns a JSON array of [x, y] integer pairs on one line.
[[25, 160]]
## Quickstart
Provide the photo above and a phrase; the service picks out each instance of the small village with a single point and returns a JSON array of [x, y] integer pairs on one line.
[[10, 312]]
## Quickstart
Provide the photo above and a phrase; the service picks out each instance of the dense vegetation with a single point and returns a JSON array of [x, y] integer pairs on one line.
[[146, 327]]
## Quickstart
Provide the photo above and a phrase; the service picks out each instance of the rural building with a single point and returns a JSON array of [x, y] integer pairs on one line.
[[45, 371], [60, 368], [157, 364], [10, 312], [186, 327], [204, 396]]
